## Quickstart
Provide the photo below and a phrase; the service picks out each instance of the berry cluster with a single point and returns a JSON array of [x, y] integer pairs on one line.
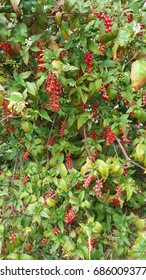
[[5, 107], [55, 230], [62, 129], [94, 108], [69, 216], [108, 23], [25, 155], [88, 60], [97, 188], [7, 48], [29, 247], [140, 33], [51, 140], [125, 169], [48, 194], [144, 99], [68, 161], [39, 56], [3, 247], [104, 92], [44, 241], [124, 139], [94, 155], [118, 192], [12, 237], [24, 180], [93, 135], [110, 136], [16, 176], [9, 129], [129, 17], [90, 244], [99, 15], [116, 202], [88, 180], [102, 48], [78, 186], [54, 88], [84, 106]]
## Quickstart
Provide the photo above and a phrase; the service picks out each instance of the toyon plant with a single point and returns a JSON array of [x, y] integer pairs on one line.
[[72, 122]]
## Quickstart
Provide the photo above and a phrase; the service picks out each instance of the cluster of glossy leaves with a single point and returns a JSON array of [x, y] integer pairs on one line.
[[74, 176]]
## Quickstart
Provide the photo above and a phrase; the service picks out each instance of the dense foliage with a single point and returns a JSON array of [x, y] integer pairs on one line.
[[72, 144]]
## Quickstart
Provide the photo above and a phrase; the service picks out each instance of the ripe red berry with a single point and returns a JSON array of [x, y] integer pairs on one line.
[[54, 88], [26, 154], [93, 135], [29, 247], [110, 136], [144, 99], [44, 241], [88, 60], [48, 194], [69, 216], [97, 188], [88, 180], [24, 180], [55, 230], [68, 161]]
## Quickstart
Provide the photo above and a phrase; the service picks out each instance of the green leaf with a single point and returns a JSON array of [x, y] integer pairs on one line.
[[140, 224], [68, 67], [13, 256], [62, 185], [51, 202], [25, 257], [31, 209], [82, 119], [25, 75], [40, 81], [93, 47], [140, 151], [138, 74], [45, 213], [103, 168], [1, 230], [32, 88], [43, 113], [62, 169], [106, 37], [68, 5], [97, 227]]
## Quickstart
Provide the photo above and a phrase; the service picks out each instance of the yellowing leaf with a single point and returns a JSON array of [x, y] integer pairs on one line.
[[51, 202], [25, 126], [140, 150], [63, 170], [138, 74], [103, 168]]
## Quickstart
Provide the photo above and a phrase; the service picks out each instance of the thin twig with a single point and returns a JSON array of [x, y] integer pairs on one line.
[[122, 149], [126, 156], [9, 117], [85, 141], [23, 246], [50, 134]]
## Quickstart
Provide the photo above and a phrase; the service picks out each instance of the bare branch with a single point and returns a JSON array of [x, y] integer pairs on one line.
[[85, 141], [126, 156]]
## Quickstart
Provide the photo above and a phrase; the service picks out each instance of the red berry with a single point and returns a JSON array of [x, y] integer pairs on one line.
[[88, 180], [69, 216]]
